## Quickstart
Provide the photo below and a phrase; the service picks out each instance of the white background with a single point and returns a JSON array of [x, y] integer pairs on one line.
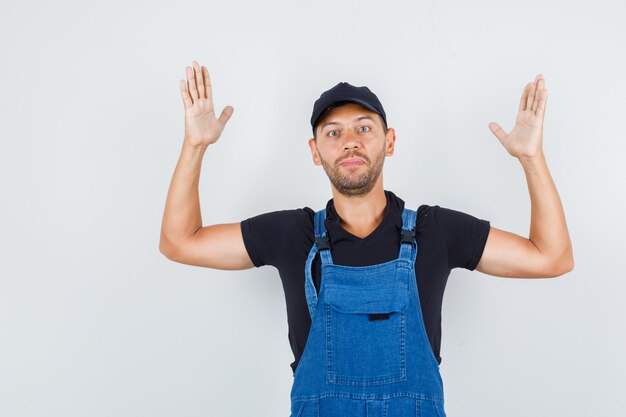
[[95, 321]]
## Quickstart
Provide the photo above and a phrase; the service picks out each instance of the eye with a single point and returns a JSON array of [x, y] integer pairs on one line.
[[366, 127], [330, 133]]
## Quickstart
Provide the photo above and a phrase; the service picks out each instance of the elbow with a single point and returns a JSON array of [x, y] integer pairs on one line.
[[163, 250], [563, 266], [570, 264], [165, 247], [174, 249]]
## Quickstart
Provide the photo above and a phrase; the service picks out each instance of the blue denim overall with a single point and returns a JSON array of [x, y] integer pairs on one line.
[[367, 353]]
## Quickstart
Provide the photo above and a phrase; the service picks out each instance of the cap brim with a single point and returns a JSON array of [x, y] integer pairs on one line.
[[337, 100]]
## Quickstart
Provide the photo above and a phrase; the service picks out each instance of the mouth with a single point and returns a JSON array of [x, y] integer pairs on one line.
[[352, 162]]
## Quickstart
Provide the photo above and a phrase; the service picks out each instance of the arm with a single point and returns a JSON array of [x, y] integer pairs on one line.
[[183, 239], [548, 250]]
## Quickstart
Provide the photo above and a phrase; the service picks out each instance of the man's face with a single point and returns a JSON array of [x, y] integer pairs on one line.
[[351, 146]]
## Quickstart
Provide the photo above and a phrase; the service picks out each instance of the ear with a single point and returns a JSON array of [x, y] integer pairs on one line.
[[390, 140], [314, 153]]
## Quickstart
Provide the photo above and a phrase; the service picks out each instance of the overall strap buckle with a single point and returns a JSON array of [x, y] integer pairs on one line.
[[322, 242], [407, 236]]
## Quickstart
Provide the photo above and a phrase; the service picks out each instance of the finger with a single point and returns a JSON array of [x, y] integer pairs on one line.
[[226, 113], [191, 85], [543, 99], [185, 94], [531, 96], [199, 80], [207, 83], [538, 93], [522, 102]]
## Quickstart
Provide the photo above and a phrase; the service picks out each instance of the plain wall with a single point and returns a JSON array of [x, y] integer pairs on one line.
[[95, 321]]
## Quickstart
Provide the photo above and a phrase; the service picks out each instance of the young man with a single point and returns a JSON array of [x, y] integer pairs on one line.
[[364, 277]]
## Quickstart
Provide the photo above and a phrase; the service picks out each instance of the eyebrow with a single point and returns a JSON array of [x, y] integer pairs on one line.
[[356, 120]]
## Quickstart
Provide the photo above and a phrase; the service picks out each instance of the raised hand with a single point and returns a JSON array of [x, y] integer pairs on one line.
[[524, 141], [202, 128]]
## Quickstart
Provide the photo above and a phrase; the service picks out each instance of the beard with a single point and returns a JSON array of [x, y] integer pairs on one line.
[[354, 180]]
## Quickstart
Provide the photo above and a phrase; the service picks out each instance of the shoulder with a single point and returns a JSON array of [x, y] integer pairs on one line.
[[278, 225], [465, 235], [450, 218], [425, 213], [426, 210], [281, 217], [271, 236], [434, 214]]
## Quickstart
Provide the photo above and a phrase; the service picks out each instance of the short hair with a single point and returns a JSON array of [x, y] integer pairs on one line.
[[339, 104]]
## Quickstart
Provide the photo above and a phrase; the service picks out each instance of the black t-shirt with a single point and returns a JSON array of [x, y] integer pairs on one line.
[[446, 239]]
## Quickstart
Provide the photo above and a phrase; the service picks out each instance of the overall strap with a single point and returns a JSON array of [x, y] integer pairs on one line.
[[407, 238], [321, 245], [321, 237]]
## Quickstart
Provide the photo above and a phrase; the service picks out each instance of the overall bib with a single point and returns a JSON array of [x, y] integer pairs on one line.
[[367, 353]]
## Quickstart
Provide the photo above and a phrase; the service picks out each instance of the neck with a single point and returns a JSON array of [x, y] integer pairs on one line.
[[360, 215]]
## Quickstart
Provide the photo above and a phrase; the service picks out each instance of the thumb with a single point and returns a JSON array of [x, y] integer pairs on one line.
[[226, 113], [497, 130]]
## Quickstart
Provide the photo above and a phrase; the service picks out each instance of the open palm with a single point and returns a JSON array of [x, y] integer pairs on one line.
[[202, 128], [525, 138]]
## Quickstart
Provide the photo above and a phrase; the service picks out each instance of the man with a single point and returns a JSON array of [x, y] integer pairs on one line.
[[364, 277]]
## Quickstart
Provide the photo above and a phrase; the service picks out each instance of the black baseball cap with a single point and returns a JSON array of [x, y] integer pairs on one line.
[[344, 91]]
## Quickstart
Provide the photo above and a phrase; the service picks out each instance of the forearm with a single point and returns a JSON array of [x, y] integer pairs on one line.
[[548, 228], [182, 216]]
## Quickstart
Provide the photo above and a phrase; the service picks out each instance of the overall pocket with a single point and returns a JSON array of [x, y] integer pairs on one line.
[[365, 333], [430, 408], [305, 408]]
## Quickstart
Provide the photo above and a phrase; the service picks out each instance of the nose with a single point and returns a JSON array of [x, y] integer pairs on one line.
[[351, 140]]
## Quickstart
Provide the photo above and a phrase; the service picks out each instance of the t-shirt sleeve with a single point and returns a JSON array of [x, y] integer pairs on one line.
[[264, 235], [465, 237]]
